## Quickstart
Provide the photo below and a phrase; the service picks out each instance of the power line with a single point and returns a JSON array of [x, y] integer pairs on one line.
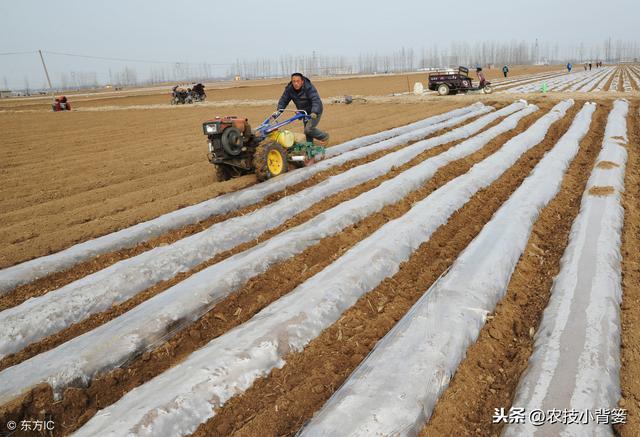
[[104, 58], [18, 53]]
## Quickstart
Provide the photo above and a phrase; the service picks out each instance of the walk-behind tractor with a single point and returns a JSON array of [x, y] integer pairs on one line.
[[235, 150]]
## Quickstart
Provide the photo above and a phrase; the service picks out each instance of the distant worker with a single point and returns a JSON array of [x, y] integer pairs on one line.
[[306, 98], [585, 66], [198, 89], [481, 77], [569, 67], [505, 71], [589, 65]]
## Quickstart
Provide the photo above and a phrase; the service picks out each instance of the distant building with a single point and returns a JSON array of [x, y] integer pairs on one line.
[[5, 94]]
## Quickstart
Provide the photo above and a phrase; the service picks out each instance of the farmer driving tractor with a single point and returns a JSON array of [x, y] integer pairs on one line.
[[306, 98]]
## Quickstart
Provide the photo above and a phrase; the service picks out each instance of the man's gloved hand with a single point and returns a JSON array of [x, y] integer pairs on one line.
[[314, 115], [276, 114]]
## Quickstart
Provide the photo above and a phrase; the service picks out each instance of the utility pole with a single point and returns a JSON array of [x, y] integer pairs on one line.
[[45, 71]]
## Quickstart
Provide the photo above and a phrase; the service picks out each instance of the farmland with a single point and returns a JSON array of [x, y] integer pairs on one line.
[[458, 254]]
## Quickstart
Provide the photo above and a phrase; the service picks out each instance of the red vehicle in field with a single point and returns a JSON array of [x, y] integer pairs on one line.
[[61, 104], [452, 82]]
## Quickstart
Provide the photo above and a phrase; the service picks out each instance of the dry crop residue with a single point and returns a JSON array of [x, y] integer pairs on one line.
[[601, 191]]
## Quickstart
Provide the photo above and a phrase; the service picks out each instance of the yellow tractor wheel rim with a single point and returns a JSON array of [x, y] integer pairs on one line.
[[274, 162]]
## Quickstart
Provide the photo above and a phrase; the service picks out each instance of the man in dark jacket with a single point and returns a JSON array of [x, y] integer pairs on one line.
[[306, 98]]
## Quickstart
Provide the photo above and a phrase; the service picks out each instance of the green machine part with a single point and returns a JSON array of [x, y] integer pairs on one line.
[[308, 149]]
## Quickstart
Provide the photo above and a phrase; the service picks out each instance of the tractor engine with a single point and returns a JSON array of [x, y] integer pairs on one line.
[[231, 143]]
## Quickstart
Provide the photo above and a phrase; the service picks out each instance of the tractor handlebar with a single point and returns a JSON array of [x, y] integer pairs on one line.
[[266, 127]]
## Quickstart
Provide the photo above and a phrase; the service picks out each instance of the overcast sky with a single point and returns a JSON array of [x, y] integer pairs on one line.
[[221, 32]]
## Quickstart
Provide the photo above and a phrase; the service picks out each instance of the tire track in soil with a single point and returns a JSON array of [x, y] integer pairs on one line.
[[101, 318], [630, 315], [282, 402], [80, 404], [488, 376], [59, 279]]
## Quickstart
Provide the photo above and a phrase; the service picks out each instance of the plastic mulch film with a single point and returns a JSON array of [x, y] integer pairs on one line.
[[413, 363], [42, 316], [575, 363], [230, 363], [146, 325]]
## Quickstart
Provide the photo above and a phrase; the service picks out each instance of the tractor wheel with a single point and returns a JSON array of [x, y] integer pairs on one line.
[[443, 89], [487, 89], [270, 160], [223, 172]]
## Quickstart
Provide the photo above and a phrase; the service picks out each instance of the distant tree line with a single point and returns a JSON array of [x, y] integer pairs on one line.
[[402, 60], [456, 53]]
